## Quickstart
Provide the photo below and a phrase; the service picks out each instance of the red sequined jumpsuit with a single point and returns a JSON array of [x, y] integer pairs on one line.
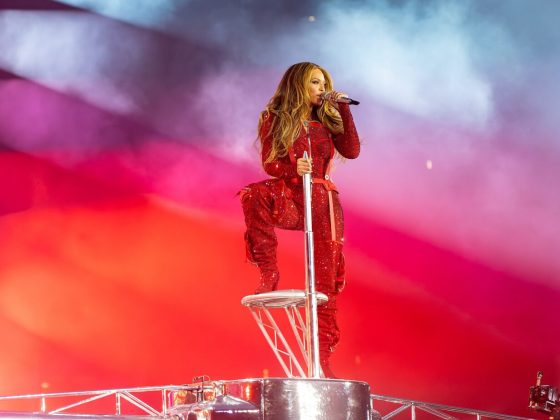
[[278, 203]]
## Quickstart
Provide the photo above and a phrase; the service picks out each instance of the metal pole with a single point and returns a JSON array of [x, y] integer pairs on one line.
[[164, 401], [118, 403], [313, 366]]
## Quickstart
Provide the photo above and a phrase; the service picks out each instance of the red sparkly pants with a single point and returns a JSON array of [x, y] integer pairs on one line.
[[274, 203]]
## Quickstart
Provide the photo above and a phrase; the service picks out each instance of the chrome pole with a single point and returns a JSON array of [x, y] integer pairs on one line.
[[118, 404], [312, 333]]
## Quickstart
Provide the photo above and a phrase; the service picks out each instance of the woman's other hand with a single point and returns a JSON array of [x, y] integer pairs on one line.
[[304, 166]]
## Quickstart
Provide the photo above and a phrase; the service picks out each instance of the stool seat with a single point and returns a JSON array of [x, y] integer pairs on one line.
[[280, 299]]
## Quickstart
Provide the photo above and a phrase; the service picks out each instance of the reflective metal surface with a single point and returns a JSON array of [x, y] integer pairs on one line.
[[276, 399], [280, 299], [223, 407], [312, 330]]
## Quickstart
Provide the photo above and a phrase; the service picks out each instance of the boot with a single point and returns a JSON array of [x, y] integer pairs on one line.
[[328, 334], [326, 367], [268, 282], [329, 280], [260, 238]]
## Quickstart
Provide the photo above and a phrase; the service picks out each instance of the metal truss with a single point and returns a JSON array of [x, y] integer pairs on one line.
[[292, 302], [277, 341], [167, 393], [437, 410], [87, 398]]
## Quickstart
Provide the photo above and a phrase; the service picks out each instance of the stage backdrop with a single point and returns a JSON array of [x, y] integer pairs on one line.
[[128, 127]]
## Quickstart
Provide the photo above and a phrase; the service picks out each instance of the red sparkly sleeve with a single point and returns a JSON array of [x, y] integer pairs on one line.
[[347, 143], [279, 167]]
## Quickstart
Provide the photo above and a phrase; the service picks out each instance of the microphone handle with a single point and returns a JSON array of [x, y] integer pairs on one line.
[[348, 101]]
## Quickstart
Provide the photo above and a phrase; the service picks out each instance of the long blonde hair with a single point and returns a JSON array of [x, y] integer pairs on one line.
[[290, 107]]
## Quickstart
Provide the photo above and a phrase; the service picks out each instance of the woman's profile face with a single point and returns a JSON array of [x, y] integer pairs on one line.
[[316, 87]]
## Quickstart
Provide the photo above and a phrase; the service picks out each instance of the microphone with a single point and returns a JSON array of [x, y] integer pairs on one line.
[[344, 99]]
